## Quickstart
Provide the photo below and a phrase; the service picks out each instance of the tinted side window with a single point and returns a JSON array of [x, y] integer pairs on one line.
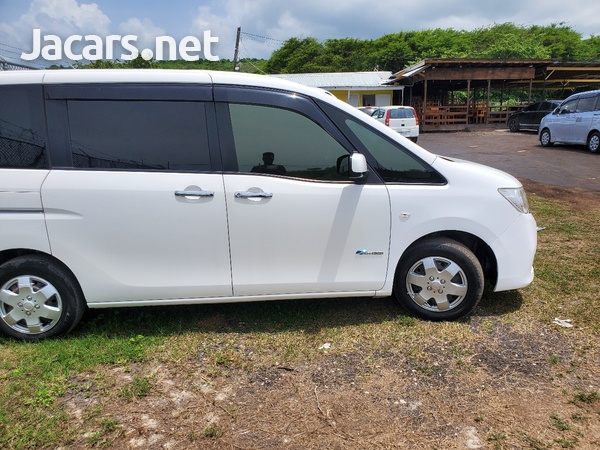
[[586, 104], [22, 142], [143, 135], [282, 142], [569, 107], [393, 163], [546, 106], [533, 107]]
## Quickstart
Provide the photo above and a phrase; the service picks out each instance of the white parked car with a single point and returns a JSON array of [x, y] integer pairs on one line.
[[575, 121], [403, 119], [158, 187]]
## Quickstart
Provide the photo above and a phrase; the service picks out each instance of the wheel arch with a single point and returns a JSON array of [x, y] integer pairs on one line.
[[8, 255], [478, 246]]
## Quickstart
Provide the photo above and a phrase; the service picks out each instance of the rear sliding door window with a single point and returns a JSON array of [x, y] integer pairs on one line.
[[22, 142], [278, 141], [138, 135]]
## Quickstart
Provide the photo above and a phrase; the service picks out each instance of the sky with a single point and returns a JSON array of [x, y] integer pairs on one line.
[[266, 24]]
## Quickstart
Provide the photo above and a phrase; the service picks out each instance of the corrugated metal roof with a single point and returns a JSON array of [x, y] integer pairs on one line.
[[340, 80]]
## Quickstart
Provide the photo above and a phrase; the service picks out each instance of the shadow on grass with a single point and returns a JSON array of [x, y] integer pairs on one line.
[[310, 315], [271, 316], [499, 303]]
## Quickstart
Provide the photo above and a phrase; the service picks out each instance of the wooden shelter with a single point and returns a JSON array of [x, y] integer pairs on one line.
[[453, 93]]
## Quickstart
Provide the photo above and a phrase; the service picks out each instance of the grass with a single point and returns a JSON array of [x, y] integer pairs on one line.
[[109, 358]]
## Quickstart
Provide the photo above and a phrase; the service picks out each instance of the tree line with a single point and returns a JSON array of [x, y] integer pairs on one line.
[[393, 52]]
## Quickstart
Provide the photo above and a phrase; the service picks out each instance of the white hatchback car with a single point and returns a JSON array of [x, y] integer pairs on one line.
[[575, 121], [158, 187], [402, 119]]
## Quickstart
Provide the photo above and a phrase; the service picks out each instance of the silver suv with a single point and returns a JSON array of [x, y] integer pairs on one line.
[[575, 121]]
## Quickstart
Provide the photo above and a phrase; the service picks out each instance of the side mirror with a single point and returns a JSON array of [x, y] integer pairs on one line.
[[358, 164], [353, 166]]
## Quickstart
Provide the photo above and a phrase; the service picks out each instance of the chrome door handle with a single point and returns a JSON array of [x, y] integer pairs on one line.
[[194, 193], [248, 194]]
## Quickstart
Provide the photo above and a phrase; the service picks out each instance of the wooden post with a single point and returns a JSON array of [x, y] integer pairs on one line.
[[422, 121], [487, 105], [468, 101]]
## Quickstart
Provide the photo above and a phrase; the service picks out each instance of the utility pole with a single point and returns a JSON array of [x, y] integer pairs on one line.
[[237, 50]]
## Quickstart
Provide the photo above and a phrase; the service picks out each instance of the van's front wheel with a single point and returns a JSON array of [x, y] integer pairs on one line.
[[38, 299], [546, 138], [593, 142], [439, 279]]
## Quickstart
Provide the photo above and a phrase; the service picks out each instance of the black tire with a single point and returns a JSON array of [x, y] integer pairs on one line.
[[513, 124], [545, 138], [425, 287], [593, 143], [39, 299], [414, 139]]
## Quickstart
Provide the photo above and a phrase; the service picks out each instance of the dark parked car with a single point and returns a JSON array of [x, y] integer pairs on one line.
[[531, 116]]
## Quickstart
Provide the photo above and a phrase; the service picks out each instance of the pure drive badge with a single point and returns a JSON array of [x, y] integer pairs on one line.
[[367, 252]]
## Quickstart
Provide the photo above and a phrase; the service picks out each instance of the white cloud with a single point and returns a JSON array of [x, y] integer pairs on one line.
[[144, 29], [60, 17]]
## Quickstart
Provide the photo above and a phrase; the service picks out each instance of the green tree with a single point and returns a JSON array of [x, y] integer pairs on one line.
[[590, 49], [559, 41], [296, 56], [506, 41]]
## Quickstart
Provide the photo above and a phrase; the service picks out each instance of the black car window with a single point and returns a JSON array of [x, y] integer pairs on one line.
[[533, 107], [142, 135], [278, 141], [547, 106], [22, 141]]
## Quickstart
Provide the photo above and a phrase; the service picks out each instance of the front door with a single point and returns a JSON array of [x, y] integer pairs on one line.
[[296, 225]]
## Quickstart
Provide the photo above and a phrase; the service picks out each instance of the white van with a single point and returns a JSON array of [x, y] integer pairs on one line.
[[575, 121], [158, 187]]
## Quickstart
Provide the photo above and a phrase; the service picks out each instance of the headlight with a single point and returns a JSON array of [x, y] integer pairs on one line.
[[517, 198]]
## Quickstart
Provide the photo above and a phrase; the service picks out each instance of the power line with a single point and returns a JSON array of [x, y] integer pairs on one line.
[[262, 39]]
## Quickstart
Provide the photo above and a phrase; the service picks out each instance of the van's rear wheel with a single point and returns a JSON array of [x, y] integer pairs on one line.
[[439, 279], [38, 298]]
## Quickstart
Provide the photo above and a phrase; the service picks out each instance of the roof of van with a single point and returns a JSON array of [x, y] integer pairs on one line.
[[584, 94], [70, 76]]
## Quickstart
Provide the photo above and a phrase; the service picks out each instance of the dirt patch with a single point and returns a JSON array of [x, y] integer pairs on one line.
[[513, 389], [579, 199]]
